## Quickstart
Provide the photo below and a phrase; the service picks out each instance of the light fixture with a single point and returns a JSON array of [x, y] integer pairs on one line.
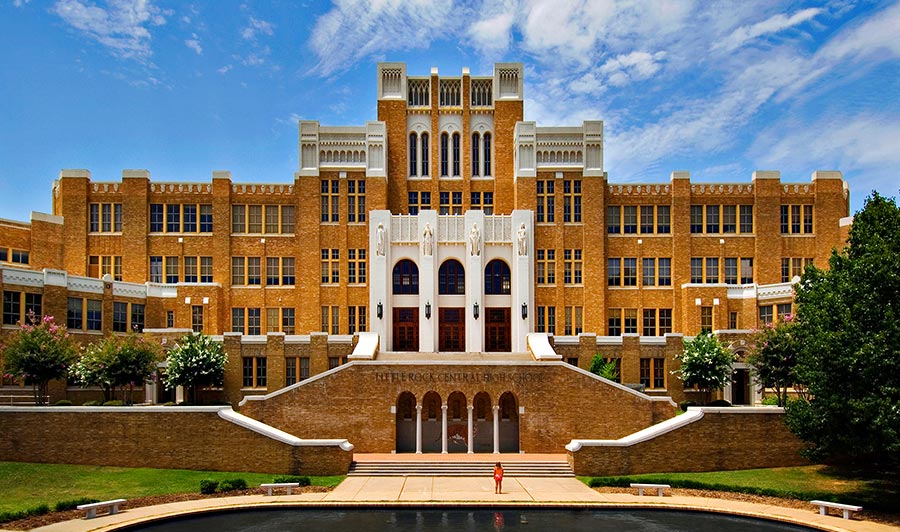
[[524, 311], [428, 310], [379, 310], [475, 310]]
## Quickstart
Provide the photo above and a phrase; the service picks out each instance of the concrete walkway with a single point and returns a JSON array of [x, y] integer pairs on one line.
[[471, 492]]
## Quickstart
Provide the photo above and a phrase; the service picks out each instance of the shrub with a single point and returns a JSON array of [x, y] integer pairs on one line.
[[63, 402], [115, 402], [41, 509], [208, 486], [63, 506], [303, 481], [719, 402], [685, 404], [232, 484], [91, 403], [770, 400]]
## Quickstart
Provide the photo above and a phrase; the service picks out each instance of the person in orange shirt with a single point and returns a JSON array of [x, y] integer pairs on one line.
[[498, 477]]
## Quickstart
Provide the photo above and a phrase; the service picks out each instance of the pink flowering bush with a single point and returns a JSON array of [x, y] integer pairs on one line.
[[116, 363], [775, 356], [39, 352]]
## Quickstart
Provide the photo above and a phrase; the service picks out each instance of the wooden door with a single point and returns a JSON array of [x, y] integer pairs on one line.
[[452, 329], [497, 330], [406, 329]]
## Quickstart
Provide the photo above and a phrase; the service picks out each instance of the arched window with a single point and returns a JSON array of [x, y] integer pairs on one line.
[[424, 153], [451, 278], [456, 143], [445, 153], [487, 154], [496, 278], [406, 277], [413, 165], [476, 164]]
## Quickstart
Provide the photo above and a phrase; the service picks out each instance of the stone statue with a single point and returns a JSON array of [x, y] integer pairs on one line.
[[475, 241], [427, 240], [379, 240], [522, 240]]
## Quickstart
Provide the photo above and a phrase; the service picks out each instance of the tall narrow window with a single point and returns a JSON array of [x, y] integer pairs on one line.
[[424, 155], [648, 268], [729, 218], [476, 162], [731, 270], [456, 143], [696, 219], [746, 218], [413, 160], [613, 222], [712, 218], [545, 201], [445, 154], [663, 219], [487, 154], [646, 219]]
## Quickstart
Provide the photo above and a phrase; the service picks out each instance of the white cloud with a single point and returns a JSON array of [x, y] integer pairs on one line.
[[877, 34], [122, 26], [631, 67], [20, 3], [256, 27], [224, 69], [491, 34], [194, 44], [771, 25]]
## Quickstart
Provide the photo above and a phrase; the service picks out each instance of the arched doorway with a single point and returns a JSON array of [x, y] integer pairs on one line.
[[509, 423], [741, 390], [497, 331], [431, 423], [406, 423], [405, 319], [452, 319], [457, 423], [483, 442]]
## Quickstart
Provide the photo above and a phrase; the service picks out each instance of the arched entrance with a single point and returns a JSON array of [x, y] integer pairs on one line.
[[406, 423], [509, 423], [497, 330], [483, 423], [431, 423], [457, 423], [452, 319], [405, 320]]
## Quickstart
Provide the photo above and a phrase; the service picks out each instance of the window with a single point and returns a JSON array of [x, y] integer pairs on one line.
[[451, 278], [237, 320], [190, 270], [288, 320], [629, 271], [784, 309], [105, 218], [793, 267], [696, 219], [572, 200], [156, 263], [419, 201], [170, 318], [630, 320], [254, 372], [74, 314], [729, 218], [206, 219], [238, 218], [629, 219], [197, 318], [649, 322], [206, 270], [254, 318], [483, 201], [445, 154], [497, 278], [173, 218], [732, 320], [290, 371], [424, 153], [456, 158], [696, 270], [796, 219], [98, 266], [258, 219], [808, 219], [706, 318], [137, 317], [765, 315], [330, 189], [189, 223], [406, 277], [486, 140], [331, 319], [356, 201], [712, 218], [172, 275], [747, 270], [663, 219], [413, 160], [746, 218], [255, 219], [273, 271], [572, 266], [331, 266], [156, 218], [238, 271], [254, 271], [646, 219], [613, 272], [665, 271], [731, 270], [15, 255], [357, 319], [334, 362], [445, 206], [546, 266], [712, 270], [444, 203], [613, 222], [356, 268], [12, 308], [665, 321], [614, 322], [545, 201], [546, 319], [574, 321], [653, 373], [648, 272]]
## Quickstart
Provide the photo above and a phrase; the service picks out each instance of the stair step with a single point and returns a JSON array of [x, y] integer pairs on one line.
[[459, 469]]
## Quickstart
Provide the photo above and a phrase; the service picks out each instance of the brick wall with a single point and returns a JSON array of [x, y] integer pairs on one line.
[[723, 439], [159, 437]]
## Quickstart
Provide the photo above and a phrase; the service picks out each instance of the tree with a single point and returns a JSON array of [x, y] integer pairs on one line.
[[608, 369], [774, 358], [705, 362], [116, 362], [850, 318], [195, 362], [39, 352]]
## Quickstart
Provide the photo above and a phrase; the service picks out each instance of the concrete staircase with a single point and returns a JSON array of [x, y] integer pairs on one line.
[[397, 468]]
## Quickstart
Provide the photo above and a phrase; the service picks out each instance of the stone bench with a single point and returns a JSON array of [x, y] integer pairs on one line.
[[658, 487], [848, 509], [289, 485], [92, 508]]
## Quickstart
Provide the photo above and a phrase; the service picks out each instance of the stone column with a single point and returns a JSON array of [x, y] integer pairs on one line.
[[471, 434], [496, 429], [444, 429], [418, 429]]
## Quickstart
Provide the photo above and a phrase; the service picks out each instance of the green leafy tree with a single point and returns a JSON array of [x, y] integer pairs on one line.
[[705, 362], [775, 357], [39, 352], [603, 368], [116, 363], [850, 318], [195, 362]]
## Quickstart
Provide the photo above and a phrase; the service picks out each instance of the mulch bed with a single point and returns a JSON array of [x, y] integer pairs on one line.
[[56, 517]]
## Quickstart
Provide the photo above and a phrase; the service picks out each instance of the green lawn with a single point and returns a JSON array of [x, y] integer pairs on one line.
[[26, 485], [873, 490]]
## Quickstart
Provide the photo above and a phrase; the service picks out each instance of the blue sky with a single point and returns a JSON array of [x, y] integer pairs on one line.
[[716, 88]]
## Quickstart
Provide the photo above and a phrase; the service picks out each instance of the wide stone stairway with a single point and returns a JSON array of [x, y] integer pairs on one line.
[[459, 465]]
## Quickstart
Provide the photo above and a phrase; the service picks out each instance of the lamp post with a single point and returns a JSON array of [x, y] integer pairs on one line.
[[475, 310]]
